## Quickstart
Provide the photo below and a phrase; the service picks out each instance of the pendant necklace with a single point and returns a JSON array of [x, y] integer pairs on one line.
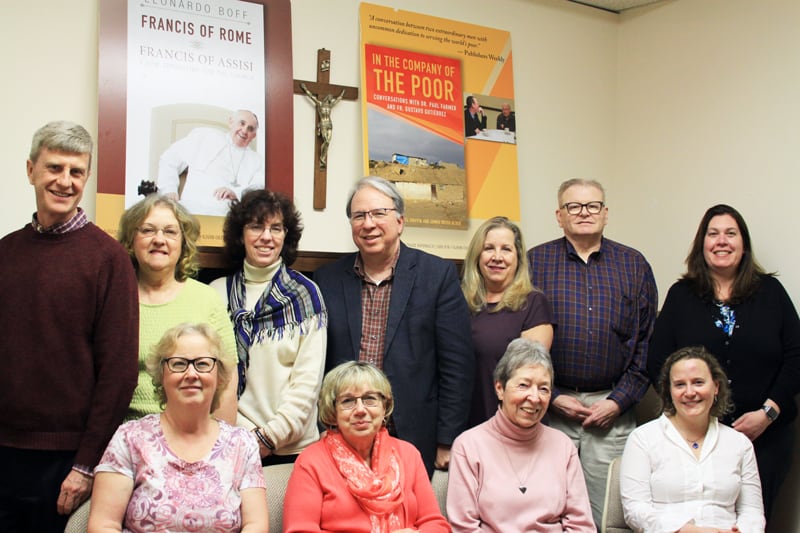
[[235, 169], [694, 443], [521, 482]]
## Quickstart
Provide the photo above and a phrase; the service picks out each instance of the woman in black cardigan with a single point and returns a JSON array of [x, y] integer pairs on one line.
[[743, 315]]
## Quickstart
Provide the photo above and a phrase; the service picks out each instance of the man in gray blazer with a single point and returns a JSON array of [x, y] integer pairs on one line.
[[402, 310]]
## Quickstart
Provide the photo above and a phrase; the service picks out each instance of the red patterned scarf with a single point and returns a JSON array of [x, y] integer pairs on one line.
[[378, 490]]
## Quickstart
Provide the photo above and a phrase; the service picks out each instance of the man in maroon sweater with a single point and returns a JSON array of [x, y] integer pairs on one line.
[[69, 322]]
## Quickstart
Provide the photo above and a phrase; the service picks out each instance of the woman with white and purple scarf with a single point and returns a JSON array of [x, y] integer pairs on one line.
[[280, 323]]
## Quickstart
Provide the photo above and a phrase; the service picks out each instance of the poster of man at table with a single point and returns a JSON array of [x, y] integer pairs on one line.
[[489, 118]]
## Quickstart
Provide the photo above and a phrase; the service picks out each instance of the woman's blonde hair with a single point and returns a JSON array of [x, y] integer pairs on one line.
[[166, 347], [348, 375], [134, 216], [472, 283]]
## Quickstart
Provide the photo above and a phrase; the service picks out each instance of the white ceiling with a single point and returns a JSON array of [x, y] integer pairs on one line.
[[615, 6]]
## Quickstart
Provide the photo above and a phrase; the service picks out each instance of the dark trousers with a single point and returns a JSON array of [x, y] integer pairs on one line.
[[774, 456], [29, 487]]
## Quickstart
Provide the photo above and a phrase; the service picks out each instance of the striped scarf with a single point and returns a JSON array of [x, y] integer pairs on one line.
[[290, 302]]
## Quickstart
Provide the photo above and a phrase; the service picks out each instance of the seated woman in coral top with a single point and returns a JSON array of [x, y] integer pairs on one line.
[[358, 479]]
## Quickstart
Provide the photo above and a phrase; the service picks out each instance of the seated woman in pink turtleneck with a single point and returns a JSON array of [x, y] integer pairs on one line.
[[512, 473]]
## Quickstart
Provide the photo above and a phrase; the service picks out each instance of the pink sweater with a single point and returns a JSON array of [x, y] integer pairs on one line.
[[317, 498], [483, 492]]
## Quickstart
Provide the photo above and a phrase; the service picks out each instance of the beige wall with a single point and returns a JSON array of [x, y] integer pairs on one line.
[[674, 107], [707, 111], [565, 77], [49, 69]]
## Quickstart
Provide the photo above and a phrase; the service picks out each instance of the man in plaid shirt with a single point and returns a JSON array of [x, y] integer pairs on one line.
[[604, 299]]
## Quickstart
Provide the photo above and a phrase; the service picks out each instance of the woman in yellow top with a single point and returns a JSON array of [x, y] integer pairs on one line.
[[160, 236]]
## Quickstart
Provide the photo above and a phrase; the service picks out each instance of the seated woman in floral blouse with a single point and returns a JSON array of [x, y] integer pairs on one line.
[[182, 470]]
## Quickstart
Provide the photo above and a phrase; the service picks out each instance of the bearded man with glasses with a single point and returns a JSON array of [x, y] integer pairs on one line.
[[402, 310], [604, 299]]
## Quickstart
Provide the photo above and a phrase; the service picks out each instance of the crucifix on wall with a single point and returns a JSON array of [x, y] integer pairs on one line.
[[324, 95]]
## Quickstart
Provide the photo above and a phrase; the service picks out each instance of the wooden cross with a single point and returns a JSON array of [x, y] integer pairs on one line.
[[324, 95]]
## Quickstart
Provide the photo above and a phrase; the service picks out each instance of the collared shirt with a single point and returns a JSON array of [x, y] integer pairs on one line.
[[605, 309], [375, 298], [77, 221], [664, 486]]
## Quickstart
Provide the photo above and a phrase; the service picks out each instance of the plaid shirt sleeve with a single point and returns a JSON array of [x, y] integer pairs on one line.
[[605, 309], [632, 385]]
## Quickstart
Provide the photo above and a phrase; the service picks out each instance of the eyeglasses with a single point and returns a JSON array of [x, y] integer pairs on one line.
[[178, 365], [377, 215], [170, 232], [257, 229], [372, 399], [575, 208]]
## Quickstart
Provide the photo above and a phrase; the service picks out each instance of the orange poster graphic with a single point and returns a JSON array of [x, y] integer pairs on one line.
[[417, 139], [456, 164]]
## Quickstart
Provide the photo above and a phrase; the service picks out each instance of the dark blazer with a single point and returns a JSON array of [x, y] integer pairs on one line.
[[470, 123], [428, 355], [509, 122]]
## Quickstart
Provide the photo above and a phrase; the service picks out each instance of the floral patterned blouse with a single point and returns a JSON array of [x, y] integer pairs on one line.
[[170, 494]]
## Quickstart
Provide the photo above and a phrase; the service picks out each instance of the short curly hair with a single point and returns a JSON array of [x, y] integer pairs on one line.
[[188, 265], [723, 403], [256, 206], [166, 348], [345, 376]]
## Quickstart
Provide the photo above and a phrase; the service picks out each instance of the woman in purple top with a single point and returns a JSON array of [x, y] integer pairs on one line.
[[182, 470], [504, 305]]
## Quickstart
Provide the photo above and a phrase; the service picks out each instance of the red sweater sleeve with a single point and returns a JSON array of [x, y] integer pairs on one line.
[[115, 350]]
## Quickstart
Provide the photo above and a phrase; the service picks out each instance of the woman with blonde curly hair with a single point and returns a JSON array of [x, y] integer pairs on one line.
[[182, 470], [160, 236], [504, 305]]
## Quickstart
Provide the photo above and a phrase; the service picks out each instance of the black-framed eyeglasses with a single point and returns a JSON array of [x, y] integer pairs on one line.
[[371, 399], [169, 232], [358, 217], [575, 208], [256, 228], [178, 365]]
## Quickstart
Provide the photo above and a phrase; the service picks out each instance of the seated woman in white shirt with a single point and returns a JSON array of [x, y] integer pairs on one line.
[[685, 471]]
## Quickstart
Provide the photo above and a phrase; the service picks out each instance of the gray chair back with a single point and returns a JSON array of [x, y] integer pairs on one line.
[[613, 518]]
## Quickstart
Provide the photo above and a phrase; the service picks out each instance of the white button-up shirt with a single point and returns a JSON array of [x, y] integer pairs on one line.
[[664, 485]]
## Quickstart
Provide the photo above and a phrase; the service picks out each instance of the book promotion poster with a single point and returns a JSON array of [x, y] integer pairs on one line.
[[417, 72], [191, 68]]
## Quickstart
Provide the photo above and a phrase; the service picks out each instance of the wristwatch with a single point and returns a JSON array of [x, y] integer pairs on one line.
[[770, 411]]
